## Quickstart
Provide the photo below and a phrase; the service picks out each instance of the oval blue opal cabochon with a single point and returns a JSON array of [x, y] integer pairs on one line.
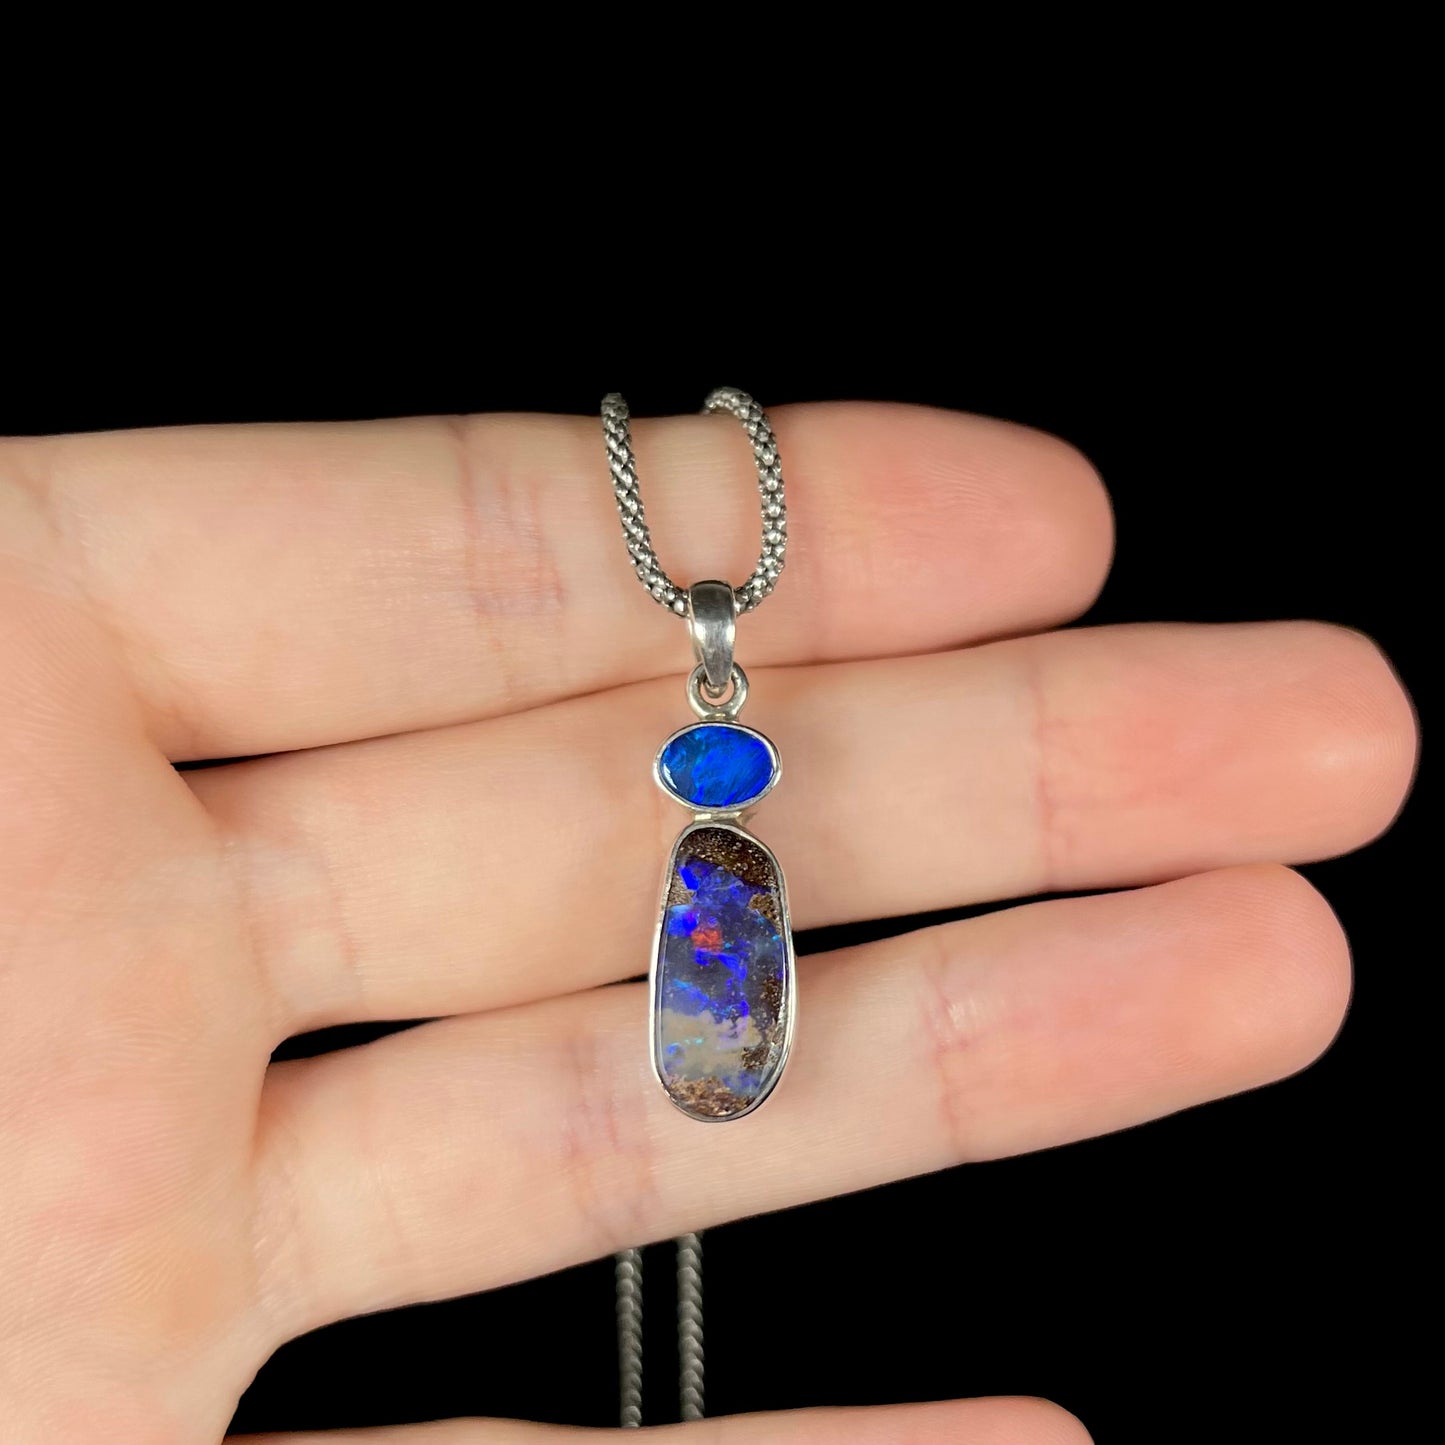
[[717, 765]]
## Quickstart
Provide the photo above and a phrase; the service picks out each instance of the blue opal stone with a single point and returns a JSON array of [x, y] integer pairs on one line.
[[716, 765], [724, 973]]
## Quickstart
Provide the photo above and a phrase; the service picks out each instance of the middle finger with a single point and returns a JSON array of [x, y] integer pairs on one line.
[[496, 862]]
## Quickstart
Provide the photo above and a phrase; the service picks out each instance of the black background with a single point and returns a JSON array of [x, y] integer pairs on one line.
[[1220, 1275]]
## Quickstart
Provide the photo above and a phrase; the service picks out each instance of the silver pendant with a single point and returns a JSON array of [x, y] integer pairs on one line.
[[722, 976]]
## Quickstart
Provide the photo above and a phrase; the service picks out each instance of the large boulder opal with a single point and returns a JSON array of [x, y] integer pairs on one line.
[[723, 978]]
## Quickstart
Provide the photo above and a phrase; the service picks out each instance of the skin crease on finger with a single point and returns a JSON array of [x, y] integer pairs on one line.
[[968, 1422]]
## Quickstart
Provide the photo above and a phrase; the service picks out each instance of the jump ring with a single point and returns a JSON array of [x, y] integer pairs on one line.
[[720, 709]]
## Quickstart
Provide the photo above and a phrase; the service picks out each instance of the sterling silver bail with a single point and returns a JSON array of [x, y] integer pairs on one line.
[[712, 620]]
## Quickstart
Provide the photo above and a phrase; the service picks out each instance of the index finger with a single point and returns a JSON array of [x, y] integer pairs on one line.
[[277, 587]]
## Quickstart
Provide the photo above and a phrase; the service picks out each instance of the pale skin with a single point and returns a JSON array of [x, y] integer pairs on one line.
[[431, 628]]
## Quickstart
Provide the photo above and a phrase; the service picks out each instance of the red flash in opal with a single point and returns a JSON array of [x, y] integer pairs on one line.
[[708, 936]]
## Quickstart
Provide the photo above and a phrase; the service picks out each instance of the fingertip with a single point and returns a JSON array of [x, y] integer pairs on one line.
[[1042, 1422], [1307, 968], [994, 1420], [1289, 961], [1028, 496], [997, 1420], [974, 527], [1364, 743], [1067, 546]]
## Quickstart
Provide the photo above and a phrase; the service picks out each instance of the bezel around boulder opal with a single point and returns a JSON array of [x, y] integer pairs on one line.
[[722, 973], [717, 767]]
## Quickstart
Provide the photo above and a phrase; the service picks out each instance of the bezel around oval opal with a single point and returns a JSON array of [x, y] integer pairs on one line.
[[703, 811]]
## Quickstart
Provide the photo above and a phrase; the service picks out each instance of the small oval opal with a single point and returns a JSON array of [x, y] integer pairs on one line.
[[716, 765], [723, 978]]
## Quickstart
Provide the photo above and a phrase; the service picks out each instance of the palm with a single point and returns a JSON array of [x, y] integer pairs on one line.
[[430, 628]]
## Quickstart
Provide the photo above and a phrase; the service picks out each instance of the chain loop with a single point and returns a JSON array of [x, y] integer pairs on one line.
[[622, 465]]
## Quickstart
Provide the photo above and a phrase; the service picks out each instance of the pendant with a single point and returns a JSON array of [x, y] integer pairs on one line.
[[722, 977]]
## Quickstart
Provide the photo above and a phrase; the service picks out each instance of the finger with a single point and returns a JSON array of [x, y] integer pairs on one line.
[[279, 587], [482, 1149], [958, 1422], [446, 871]]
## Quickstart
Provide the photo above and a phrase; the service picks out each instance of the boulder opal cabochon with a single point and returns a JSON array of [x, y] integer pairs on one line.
[[723, 980], [716, 766]]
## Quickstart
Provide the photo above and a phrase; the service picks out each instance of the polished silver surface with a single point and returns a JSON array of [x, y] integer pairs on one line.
[[710, 815], [689, 1326], [773, 502], [712, 619], [790, 969]]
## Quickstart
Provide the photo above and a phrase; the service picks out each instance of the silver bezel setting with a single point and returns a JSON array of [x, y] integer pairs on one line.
[[790, 984], [724, 815]]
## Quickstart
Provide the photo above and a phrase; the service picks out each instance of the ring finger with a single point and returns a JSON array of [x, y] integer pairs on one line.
[[447, 871]]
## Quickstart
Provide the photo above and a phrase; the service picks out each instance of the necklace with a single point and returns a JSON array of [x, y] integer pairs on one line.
[[721, 979]]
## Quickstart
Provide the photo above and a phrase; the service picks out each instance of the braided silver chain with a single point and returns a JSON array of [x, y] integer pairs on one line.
[[628, 1272], [689, 1326], [622, 465]]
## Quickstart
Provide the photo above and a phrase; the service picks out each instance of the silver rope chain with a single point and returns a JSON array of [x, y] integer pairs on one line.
[[623, 466], [628, 1272], [663, 590], [689, 1326]]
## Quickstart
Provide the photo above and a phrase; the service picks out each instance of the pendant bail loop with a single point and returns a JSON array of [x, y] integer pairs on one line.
[[712, 620]]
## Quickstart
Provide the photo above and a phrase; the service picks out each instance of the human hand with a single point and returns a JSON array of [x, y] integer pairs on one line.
[[431, 626]]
